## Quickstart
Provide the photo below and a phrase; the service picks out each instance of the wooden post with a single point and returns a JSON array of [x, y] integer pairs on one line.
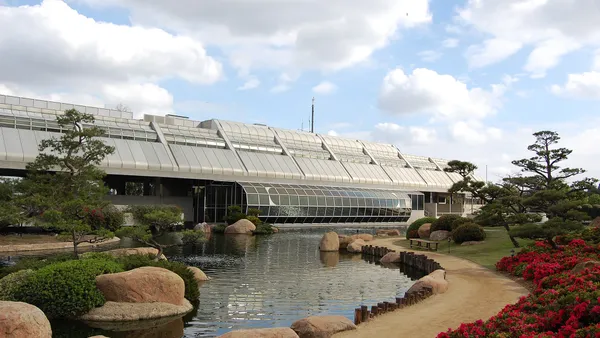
[[364, 313], [374, 310], [387, 306], [357, 316], [381, 308]]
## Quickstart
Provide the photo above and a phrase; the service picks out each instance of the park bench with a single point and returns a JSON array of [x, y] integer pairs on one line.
[[428, 244]]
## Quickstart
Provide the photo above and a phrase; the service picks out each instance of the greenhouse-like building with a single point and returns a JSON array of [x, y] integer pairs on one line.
[[206, 166]]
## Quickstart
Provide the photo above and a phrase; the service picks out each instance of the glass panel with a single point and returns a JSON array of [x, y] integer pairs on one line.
[[263, 199], [320, 200], [252, 199], [294, 200], [312, 201], [284, 200], [304, 201]]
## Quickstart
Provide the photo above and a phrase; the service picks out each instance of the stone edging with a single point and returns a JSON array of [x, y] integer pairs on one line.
[[421, 262], [54, 246]]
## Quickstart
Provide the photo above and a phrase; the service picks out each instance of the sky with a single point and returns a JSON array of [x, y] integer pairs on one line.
[[464, 79]]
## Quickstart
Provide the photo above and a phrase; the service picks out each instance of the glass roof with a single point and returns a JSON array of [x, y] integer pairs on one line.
[[311, 190]]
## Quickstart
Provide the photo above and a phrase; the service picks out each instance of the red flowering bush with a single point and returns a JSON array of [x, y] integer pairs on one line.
[[563, 304]]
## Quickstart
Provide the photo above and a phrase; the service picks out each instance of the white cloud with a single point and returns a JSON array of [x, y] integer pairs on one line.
[[328, 35], [551, 28], [394, 133], [427, 92], [450, 43], [430, 55], [324, 88], [284, 82], [332, 133], [250, 84], [583, 86], [53, 51], [474, 132], [491, 51], [596, 61]]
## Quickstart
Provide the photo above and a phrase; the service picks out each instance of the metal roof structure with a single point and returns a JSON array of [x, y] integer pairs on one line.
[[173, 146]]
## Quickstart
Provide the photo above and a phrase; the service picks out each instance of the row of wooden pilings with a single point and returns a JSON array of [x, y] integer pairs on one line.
[[421, 262]]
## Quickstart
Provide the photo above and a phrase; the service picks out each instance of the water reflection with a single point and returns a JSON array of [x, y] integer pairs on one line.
[[267, 281]]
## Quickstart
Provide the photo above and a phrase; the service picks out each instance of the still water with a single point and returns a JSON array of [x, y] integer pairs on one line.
[[265, 281]]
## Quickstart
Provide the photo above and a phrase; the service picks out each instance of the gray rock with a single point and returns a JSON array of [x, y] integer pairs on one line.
[[440, 235]]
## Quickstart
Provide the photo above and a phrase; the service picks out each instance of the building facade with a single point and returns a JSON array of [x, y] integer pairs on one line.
[[205, 166]]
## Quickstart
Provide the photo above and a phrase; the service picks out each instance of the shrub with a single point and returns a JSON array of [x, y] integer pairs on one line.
[[219, 228], [10, 283], [192, 292], [468, 232], [411, 232], [460, 221], [234, 214], [192, 236], [35, 263], [130, 262], [254, 212], [255, 220], [444, 222], [66, 289], [264, 229]]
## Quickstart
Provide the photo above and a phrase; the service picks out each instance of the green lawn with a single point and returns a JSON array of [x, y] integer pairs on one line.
[[497, 245]]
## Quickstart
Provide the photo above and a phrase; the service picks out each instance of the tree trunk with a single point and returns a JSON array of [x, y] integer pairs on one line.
[[75, 244], [552, 243], [160, 252], [512, 239]]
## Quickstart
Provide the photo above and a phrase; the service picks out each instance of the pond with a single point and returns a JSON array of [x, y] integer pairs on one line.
[[266, 281]]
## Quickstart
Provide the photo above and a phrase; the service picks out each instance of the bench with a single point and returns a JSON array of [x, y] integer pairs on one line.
[[428, 244]]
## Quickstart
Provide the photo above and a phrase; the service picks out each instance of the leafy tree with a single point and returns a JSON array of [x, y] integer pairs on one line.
[[152, 222], [541, 188], [502, 202], [64, 182]]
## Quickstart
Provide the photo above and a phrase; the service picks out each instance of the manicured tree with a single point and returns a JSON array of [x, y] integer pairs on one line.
[[153, 221], [64, 181]]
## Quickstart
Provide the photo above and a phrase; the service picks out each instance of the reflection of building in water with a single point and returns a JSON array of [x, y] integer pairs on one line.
[[206, 166], [282, 278]]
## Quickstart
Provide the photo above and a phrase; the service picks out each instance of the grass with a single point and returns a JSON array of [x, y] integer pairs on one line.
[[27, 239], [497, 245]]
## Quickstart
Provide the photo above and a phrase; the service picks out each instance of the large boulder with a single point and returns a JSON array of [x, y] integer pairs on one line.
[[322, 326], [391, 257], [584, 265], [439, 235], [424, 230], [133, 251], [277, 332], [142, 285], [364, 237], [132, 313], [436, 280], [22, 320], [330, 242], [199, 275], [344, 241], [356, 246], [204, 227], [240, 227]]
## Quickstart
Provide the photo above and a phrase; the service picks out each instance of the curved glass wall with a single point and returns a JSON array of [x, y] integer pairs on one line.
[[283, 203]]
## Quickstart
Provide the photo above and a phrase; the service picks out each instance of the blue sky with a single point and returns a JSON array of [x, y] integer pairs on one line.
[[451, 79]]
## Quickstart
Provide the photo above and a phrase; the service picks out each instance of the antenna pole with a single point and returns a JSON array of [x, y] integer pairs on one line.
[[312, 119]]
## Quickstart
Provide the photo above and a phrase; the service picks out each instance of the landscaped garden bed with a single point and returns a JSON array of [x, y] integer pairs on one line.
[[565, 301]]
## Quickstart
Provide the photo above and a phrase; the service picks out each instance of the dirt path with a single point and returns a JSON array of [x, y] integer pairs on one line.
[[474, 293]]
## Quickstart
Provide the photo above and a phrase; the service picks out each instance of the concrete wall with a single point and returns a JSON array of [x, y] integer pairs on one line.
[[415, 215], [186, 203]]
